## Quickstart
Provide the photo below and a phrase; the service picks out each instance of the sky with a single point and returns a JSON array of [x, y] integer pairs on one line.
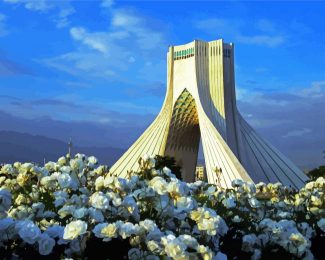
[[96, 70]]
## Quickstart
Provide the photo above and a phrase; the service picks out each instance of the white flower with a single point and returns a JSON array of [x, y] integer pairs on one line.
[[5, 200], [92, 160], [320, 182], [55, 231], [77, 164], [321, 224], [248, 242], [220, 256], [309, 185], [99, 183], [189, 241], [60, 198], [48, 182], [185, 203], [45, 244], [99, 200], [150, 160], [134, 254], [148, 225], [28, 231], [177, 188], [7, 169], [174, 248], [75, 246], [237, 219], [229, 202], [154, 247], [159, 185], [109, 181], [98, 229], [65, 181], [74, 229], [237, 183], [80, 213], [6, 223], [298, 244], [96, 215], [106, 231], [62, 161], [254, 202], [66, 211], [127, 229]]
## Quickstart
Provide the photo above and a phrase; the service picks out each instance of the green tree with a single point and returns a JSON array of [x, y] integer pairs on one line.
[[169, 162], [317, 172]]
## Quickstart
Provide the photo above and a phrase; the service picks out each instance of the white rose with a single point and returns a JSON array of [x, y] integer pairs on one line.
[[229, 203], [127, 229], [62, 161], [28, 231], [159, 185], [321, 224], [176, 249], [99, 183], [237, 183], [77, 164], [98, 229], [248, 242], [109, 181], [65, 181], [106, 231], [96, 215], [134, 254], [55, 231], [66, 211], [189, 241], [5, 200], [6, 223], [80, 213], [99, 200], [254, 203], [7, 169], [45, 244], [74, 229], [237, 219], [92, 160]]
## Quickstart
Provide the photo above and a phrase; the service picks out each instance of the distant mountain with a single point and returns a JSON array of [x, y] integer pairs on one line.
[[23, 147]]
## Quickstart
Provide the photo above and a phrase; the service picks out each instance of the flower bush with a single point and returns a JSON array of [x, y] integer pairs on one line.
[[76, 208]]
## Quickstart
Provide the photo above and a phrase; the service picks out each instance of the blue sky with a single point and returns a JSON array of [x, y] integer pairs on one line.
[[103, 64]]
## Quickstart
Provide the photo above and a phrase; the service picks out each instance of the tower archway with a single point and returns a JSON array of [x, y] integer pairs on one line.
[[184, 135]]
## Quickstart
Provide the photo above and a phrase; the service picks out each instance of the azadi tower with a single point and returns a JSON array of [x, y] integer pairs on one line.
[[200, 102]]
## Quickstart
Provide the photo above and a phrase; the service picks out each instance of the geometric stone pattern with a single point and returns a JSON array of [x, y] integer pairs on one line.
[[200, 104]]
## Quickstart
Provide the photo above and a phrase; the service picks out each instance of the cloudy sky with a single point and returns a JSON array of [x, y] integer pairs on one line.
[[96, 70]]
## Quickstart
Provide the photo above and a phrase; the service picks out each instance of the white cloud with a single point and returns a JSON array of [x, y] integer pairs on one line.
[[107, 3], [62, 9], [3, 30], [146, 38], [62, 18], [266, 25], [33, 5], [95, 41], [297, 133], [125, 45], [316, 90], [234, 29], [266, 40]]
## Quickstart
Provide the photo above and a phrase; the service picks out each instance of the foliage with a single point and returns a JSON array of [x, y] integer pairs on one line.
[[317, 172], [170, 163], [75, 208]]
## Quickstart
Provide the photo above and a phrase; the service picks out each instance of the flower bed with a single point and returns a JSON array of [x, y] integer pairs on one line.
[[77, 209]]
